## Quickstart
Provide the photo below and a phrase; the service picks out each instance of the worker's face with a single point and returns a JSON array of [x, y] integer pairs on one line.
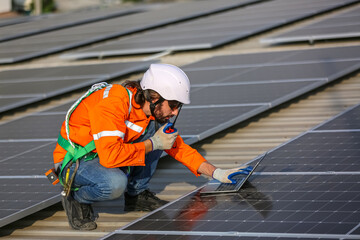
[[166, 110]]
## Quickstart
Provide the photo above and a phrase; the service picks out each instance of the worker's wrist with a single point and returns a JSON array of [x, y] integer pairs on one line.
[[213, 173], [148, 146], [156, 144]]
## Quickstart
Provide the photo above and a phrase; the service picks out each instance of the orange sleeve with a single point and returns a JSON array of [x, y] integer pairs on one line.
[[108, 127], [185, 154]]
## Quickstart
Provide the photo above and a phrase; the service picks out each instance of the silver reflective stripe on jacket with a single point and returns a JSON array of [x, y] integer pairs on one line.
[[129, 124], [115, 133], [130, 98], [133, 126], [106, 91]]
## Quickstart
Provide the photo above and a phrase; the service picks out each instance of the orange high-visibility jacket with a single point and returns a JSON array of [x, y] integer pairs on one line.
[[109, 118]]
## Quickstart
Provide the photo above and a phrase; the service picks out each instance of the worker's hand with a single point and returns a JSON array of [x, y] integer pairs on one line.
[[225, 175], [163, 141]]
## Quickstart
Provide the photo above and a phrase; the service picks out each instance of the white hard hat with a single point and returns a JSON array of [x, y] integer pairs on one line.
[[167, 80]]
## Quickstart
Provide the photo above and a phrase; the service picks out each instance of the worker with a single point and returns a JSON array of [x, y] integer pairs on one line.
[[121, 128]]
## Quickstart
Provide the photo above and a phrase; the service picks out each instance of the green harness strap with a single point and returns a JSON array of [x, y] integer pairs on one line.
[[74, 154]]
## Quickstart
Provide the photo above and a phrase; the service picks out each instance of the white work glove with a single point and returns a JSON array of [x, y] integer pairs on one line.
[[163, 141], [225, 175]]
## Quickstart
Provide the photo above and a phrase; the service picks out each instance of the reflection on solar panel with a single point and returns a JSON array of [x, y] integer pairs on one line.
[[57, 21], [24, 86], [214, 30], [218, 102], [55, 41], [344, 25], [308, 188]]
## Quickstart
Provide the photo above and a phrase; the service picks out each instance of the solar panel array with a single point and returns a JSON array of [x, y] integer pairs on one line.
[[21, 87], [52, 22], [213, 31], [223, 94], [24, 189], [308, 188], [229, 89], [343, 25], [63, 39]]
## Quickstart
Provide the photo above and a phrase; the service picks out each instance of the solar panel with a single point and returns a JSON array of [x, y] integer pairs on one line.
[[280, 204], [319, 71], [23, 196], [26, 145], [224, 62], [15, 20], [53, 22], [10, 149], [347, 121], [307, 188], [63, 39], [42, 126], [212, 31], [342, 25], [205, 120], [343, 130], [265, 93], [29, 161], [319, 153], [24, 86], [210, 112]]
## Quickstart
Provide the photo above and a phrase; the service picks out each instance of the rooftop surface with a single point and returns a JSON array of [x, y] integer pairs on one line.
[[229, 148]]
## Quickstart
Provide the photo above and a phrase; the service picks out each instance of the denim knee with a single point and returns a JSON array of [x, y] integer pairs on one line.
[[111, 189]]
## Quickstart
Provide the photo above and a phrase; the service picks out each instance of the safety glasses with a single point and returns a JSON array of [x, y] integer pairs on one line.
[[173, 104]]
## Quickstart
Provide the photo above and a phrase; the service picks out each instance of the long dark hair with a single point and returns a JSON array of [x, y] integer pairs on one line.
[[141, 95]]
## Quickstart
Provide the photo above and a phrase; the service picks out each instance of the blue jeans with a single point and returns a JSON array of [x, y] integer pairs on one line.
[[97, 183]]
